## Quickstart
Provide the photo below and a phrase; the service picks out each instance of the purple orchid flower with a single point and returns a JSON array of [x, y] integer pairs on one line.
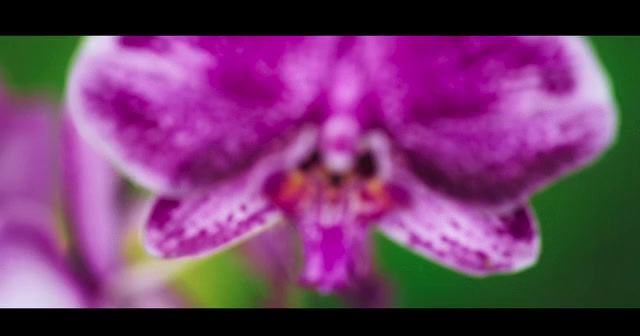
[[438, 141], [35, 269]]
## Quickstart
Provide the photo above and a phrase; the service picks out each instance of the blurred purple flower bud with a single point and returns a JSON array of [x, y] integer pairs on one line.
[[35, 269]]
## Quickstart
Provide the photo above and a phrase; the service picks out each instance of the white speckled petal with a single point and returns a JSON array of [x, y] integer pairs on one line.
[[472, 240], [205, 222]]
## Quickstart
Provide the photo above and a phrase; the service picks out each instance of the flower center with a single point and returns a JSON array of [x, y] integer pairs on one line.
[[363, 193]]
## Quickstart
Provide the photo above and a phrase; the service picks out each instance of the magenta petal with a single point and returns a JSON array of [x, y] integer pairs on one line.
[[26, 150], [492, 119], [472, 240], [91, 193], [176, 112], [205, 222], [33, 273]]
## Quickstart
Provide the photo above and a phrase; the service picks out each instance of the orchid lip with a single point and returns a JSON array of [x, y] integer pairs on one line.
[[333, 211]]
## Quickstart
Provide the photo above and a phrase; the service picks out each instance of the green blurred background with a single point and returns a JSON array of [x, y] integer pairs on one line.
[[589, 221]]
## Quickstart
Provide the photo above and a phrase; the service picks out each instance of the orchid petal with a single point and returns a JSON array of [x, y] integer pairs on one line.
[[33, 273], [492, 119], [179, 112], [91, 192], [472, 240], [26, 151], [206, 223]]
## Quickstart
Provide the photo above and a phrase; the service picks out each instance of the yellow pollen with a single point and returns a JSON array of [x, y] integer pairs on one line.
[[293, 185], [375, 187], [376, 190]]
